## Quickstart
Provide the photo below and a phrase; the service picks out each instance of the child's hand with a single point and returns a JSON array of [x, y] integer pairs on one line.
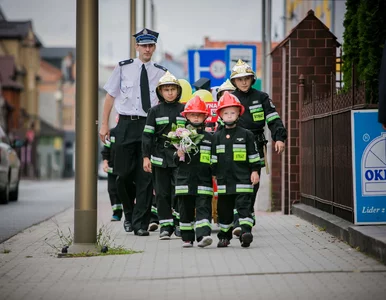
[[279, 147], [146, 165], [255, 178], [180, 153], [105, 165]]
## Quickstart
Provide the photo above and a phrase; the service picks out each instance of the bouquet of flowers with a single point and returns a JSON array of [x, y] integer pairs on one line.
[[184, 139]]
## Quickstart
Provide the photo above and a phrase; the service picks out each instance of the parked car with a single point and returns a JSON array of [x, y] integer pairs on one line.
[[9, 170]]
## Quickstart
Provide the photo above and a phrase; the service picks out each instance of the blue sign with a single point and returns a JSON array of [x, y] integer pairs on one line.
[[369, 167], [209, 63], [246, 53]]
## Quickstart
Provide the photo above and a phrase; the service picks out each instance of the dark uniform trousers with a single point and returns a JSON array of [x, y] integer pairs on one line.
[[113, 194], [129, 168], [260, 142], [195, 207], [167, 207], [225, 206]]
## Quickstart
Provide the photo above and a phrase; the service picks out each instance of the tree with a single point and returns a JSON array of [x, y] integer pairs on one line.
[[372, 35], [350, 41], [364, 37]]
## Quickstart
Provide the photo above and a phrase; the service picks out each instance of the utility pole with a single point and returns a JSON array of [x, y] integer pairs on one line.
[[85, 221], [263, 47], [144, 13], [152, 15], [133, 23], [268, 30]]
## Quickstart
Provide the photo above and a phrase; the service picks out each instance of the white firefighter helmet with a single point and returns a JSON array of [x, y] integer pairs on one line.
[[226, 86], [242, 69], [167, 79]]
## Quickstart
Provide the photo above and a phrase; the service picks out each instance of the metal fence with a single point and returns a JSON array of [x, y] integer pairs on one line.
[[325, 147]]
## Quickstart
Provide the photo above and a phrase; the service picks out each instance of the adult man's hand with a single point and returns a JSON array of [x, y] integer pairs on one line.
[[384, 126], [104, 132]]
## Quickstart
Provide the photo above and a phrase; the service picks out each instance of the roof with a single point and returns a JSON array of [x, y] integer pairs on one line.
[[310, 16], [7, 72], [47, 130], [56, 52], [2, 16], [18, 30], [49, 72]]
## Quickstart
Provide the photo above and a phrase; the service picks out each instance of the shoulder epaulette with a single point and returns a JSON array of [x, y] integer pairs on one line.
[[126, 62], [160, 67]]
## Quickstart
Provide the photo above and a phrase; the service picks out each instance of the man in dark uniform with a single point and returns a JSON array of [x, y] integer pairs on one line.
[[382, 90], [259, 110], [131, 89]]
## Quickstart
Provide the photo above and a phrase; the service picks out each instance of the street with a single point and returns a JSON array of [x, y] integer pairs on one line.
[[38, 201]]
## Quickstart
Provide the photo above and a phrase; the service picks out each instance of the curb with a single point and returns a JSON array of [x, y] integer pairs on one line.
[[369, 239]]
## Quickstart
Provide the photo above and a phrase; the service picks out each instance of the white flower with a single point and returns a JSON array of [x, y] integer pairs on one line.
[[185, 134], [171, 134]]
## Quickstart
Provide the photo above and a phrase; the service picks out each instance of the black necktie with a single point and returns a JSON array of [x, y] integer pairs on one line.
[[145, 95]]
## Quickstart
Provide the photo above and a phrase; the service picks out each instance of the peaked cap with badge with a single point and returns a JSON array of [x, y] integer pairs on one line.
[[146, 36]]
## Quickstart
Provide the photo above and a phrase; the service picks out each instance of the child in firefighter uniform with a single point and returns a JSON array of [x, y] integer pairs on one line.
[[235, 164], [108, 156], [259, 110], [194, 181], [108, 166], [225, 86], [158, 154]]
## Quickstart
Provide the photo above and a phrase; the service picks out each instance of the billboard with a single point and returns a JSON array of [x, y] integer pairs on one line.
[[369, 167]]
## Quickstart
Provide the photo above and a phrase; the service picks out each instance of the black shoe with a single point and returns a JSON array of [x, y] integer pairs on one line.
[[142, 232], [153, 226], [128, 226], [223, 243], [246, 239], [177, 231], [164, 235]]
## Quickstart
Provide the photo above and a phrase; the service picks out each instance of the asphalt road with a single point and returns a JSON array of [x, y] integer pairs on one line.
[[38, 201]]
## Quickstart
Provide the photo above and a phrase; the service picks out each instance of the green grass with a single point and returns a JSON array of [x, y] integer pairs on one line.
[[111, 251]]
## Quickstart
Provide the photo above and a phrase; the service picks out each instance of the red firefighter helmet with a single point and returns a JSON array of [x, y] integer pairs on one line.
[[195, 105], [229, 100]]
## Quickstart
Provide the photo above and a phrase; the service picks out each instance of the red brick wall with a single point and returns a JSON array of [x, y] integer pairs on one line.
[[313, 54]]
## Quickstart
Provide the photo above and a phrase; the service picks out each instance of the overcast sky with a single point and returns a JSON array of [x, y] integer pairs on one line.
[[181, 23]]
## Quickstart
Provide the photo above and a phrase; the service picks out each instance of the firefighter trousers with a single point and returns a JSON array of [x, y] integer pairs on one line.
[[115, 202], [225, 206], [164, 191], [195, 211], [126, 190], [252, 206]]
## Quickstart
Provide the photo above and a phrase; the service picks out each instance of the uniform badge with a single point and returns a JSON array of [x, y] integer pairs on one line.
[[271, 103], [228, 136]]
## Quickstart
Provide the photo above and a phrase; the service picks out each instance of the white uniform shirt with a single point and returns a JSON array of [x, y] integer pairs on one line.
[[124, 86]]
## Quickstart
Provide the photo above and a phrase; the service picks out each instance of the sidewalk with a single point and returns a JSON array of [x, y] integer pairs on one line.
[[370, 239], [288, 259]]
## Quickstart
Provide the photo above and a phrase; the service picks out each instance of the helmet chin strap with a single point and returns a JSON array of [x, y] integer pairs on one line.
[[197, 125], [231, 123]]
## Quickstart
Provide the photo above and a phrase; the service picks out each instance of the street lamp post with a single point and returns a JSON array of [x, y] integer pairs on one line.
[[85, 221]]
